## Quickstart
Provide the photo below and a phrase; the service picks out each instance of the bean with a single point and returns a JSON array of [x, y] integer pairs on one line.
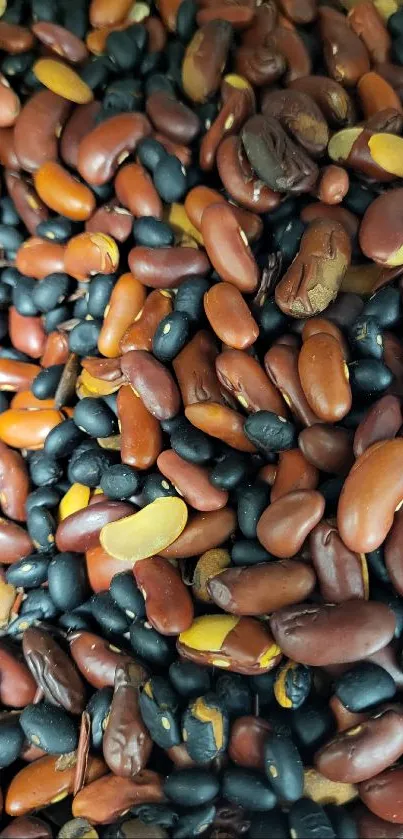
[[44, 780], [322, 353], [328, 449], [219, 640], [342, 574], [261, 588], [107, 798]]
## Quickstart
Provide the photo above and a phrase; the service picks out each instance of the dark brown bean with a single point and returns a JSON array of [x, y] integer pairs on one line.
[[262, 588], [172, 117], [191, 481], [299, 114], [126, 742], [275, 157], [167, 267], [328, 448], [342, 574], [169, 606], [152, 382], [80, 531]]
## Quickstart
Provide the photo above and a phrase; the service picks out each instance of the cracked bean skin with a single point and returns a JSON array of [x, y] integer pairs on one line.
[[244, 378]]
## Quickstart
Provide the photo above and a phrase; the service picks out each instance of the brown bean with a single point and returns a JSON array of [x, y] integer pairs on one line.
[[286, 523], [320, 324], [135, 190], [194, 369], [23, 429], [169, 606], [299, 114], [102, 150], [8, 156], [227, 248], [393, 553], [375, 93], [38, 258], [260, 64], [247, 740], [79, 124], [239, 16], [332, 633], [204, 59], [27, 334], [53, 670], [9, 104], [299, 12], [27, 827], [242, 645], [243, 377], [167, 267], [17, 686], [103, 801], [101, 567], [126, 742], [324, 377], [90, 253], [111, 219], [202, 533], [371, 826], [314, 277], [14, 38], [275, 158], [235, 110], [29, 206], [221, 422], [262, 25], [14, 541], [346, 56], [333, 184], [294, 472], [356, 148], [192, 482], [38, 127], [332, 214], [371, 493], [229, 316], [328, 448], [79, 531], [367, 23], [14, 483], [380, 231], [333, 100], [141, 438], [290, 44], [263, 588], [392, 73], [98, 660], [47, 780], [63, 193], [387, 120], [102, 13], [208, 565], [126, 301], [362, 752], [172, 117], [342, 574], [382, 422], [382, 794], [281, 365], [56, 350], [152, 382], [238, 178], [17, 375], [344, 718], [61, 41], [139, 336]]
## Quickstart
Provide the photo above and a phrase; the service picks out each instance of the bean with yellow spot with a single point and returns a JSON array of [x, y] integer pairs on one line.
[[292, 684], [205, 728], [159, 707], [76, 498]]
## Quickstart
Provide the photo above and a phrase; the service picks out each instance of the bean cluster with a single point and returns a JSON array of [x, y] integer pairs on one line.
[[201, 427]]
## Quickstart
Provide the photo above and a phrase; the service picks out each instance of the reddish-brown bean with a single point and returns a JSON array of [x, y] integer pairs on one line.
[[204, 59], [126, 743], [238, 178], [334, 101], [281, 364], [172, 117], [228, 249], [29, 206], [192, 482], [247, 739], [139, 336], [285, 524], [382, 422], [61, 41], [152, 382], [230, 317], [27, 334], [382, 795], [324, 377], [17, 686], [38, 258], [194, 369], [103, 801], [47, 780], [346, 56], [328, 448], [79, 531], [263, 588], [14, 483], [333, 184], [167, 267], [294, 472], [102, 150], [169, 606], [141, 438], [221, 422], [202, 533], [38, 127], [235, 110], [365, 20], [79, 124], [101, 567], [135, 190], [98, 660], [342, 574], [243, 377]]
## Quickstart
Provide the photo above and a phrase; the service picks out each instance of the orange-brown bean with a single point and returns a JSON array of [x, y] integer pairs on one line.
[[294, 472], [243, 377], [38, 128], [56, 350], [102, 150], [234, 112], [194, 369], [135, 190], [371, 493], [90, 253], [328, 448], [14, 483], [240, 181], [221, 422], [111, 219], [63, 193], [27, 333], [281, 365], [228, 249], [202, 196], [14, 38], [367, 23], [324, 377], [333, 184], [168, 604], [375, 94], [103, 801], [192, 482], [263, 588], [203, 532], [104, 13], [313, 326], [141, 438], [167, 267], [38, 258], [230, 317], [286, 523], [61, 41], [14, 542], [101, 567], [46, 780], [126, 301], [23, 429], [17, 375], [9, 104], [139, 336], [318, 210]]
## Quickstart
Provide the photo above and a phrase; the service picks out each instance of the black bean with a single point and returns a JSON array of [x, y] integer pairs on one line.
[[150, 645], [186, 20], [39, 601], [122, 50], [342, 822], [156, 486], [57, 229], [365, 685], [120, 481], [11, 739], [83, 338], [272, 321], [270, 432], [10, 238], [287, 237], [96, 72], [191, 787], [263, 686], [308, 819], [44, 469], [42, 497], [252, 500], [74, 622], [99, 292], [29, 572], [67, 581], [397, 50], [89, 467], [52, 319], [376, 564], [42, 528], [385, 306], [98, 709], [51, 291], [234, 692], [370, 376], [358, 198], [392, 601], [159, 708], [49, 727], [365, 338], [229, 472], [170, 336], [249, 552], [205, 728], [17, 627], [63, 439], [284, 767], [107, 614], [124, 95], [14, 355], [45, 384], [159, 814], [331, 490], [292, 684], [274, 825], [95, 418], [191, 443], [22, 296], [194, 823], [16, 65], [170, 179], [127, 595], [151, 63], [150, 152], [189, 679], [312, 724], [158, 81], [152, 233], [248, 789], [189, 298], [8, 213]]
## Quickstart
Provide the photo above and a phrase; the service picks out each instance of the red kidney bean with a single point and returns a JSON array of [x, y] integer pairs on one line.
[[167, 267], [192, 482], [79, 531], [324, 377], [108, 144], [169, 606], [152, 382], [293, 472], [126, 744], [194, 369], [328, 448], [342, 574], [242, 376], [247, 740], [229, 316], [262, 588], [285, 524], [382, 422], [38, 127], [281, 364], [98, 660], [17, 686]]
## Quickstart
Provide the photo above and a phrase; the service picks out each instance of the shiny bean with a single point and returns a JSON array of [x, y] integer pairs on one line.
[[303, 509], [241, 331], [263, 588], [324, 377]]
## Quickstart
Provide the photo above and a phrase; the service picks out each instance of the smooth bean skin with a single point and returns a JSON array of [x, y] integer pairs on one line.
[[230, 317], [239, 179], [220, 421], [361, 752], [342, 574], [241, 645], [15, 542], [227, 248], [202, 533], [103, 148], [38, 258], [28, 429], [79, 531], [380, 231], [245, 379], [169, 607], [17, 685], [136, 191], [393, 553], [281, 365], [44, 780], [98, 660], [382, 422], [9, 104], [126, 301], [14, 483], [294, 472], [333, 633], [382, 795], [104, 800], [324, 377], [327, 448], [263, 588], [167, 267], [370, 495], [285, 524], [141, 438], [192, 481], [152, 382], [139, 336], [63, 193], [205, 56], [37, 128]]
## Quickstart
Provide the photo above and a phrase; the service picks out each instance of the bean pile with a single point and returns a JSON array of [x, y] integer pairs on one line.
[[201, 427]]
